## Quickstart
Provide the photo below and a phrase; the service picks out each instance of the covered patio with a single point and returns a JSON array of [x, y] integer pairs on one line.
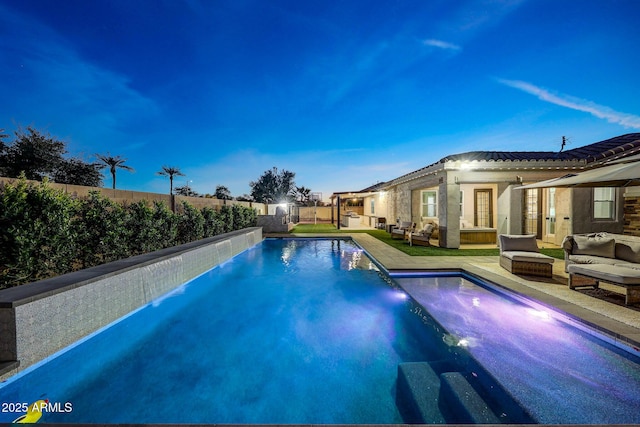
[[349, 211]]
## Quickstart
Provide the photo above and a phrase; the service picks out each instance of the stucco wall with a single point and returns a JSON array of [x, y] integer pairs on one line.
[[40, 318], [583, 221]]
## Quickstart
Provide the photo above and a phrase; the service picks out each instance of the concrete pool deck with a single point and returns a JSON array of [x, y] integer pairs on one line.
[[621, 323]]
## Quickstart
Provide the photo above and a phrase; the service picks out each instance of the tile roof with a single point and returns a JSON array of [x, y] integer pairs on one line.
[[620, 146], [610, 149]]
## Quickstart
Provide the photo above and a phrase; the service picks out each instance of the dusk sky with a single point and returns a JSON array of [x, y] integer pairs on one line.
[[343, 93]]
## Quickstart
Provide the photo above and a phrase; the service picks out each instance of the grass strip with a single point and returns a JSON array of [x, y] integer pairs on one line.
[[403, 246]]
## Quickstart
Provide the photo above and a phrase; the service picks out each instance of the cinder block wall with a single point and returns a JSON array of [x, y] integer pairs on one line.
[[41, 318], [128, 196]]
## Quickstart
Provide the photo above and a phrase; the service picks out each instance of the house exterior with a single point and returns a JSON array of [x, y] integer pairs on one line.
[[474, 196]]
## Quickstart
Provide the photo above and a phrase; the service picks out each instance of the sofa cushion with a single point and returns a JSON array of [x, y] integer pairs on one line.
[[608, 273], [628, 251], [526, 243], [526, 256], [594, 244], [590, 259], [627, 265]]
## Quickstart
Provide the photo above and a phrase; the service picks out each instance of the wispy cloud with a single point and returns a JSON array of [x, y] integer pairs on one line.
[[600, 111], [441, 44]]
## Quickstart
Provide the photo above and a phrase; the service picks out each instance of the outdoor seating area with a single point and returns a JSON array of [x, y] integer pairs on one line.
[[401, 229], [606, 257], [602, 248], [521, 255], [422, 237]]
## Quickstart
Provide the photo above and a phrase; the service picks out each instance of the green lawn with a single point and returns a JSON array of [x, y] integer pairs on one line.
[[411, 250]]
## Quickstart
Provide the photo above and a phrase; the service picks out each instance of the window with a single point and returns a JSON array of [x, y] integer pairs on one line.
[[429, 203], [604, 201], [461, 203], [373, 207]]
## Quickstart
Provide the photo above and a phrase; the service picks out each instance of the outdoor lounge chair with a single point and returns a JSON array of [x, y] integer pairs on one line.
[[401, 229], [422, 237], [520, 255]]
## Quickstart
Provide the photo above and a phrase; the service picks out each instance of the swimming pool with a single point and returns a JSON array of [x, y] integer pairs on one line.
[[287, 332], [310, 331], [558, 373]]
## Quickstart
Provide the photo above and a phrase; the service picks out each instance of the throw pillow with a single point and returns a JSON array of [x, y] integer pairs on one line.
[[628, 251], [526, 243], [595, 245]]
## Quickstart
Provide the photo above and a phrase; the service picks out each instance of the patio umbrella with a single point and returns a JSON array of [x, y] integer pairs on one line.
[[614, 175]]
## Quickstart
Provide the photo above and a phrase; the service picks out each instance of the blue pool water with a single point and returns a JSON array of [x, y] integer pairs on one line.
[[558, 373], [309, 331], [288, 332]]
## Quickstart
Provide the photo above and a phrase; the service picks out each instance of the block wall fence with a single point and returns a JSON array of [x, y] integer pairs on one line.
[[40, 318], [128, 196]]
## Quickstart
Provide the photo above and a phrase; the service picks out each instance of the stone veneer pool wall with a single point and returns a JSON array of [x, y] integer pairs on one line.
[[41, 318]]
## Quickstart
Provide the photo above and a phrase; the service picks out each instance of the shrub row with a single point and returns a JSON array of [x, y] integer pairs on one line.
[[44, 232]]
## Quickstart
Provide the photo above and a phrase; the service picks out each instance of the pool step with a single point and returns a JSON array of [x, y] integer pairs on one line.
[[462, 402], [417, 390], [425, 397]]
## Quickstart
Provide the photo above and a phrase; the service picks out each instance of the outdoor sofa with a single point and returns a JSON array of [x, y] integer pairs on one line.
[[519, 254], [606, 257], [602, 248]]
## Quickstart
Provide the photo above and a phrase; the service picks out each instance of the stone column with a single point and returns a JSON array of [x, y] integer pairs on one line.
[[449, 214]]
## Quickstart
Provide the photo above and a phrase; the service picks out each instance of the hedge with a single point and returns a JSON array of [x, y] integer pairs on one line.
[[44, 232]]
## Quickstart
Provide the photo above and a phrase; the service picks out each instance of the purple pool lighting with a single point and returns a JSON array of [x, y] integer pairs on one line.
[[559, 373]]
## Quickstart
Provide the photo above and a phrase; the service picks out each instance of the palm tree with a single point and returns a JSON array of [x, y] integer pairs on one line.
[[170, 172], [113, 163]]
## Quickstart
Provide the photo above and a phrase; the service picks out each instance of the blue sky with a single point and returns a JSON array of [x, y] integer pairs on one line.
[[343, 93]]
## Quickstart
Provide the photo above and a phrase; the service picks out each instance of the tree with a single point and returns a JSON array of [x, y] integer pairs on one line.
[[166, 223], [186, 191], [113, 163], [170, 172], [77, 172], [245, 198], [33, 153], [36, 233], [303, 194], [223, 193], [102, 230], [190, 225], [273, 186], [3, 148]]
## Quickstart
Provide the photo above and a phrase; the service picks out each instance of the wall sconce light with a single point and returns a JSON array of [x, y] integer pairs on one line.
[[518, 179]]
